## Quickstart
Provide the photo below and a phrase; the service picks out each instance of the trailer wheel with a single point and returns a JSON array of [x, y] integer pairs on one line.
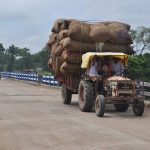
[[100, 105], [66, 95], [86, 95], [138, 107], [121, 107]]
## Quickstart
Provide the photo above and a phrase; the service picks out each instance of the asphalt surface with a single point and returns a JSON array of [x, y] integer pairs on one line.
[[34, 118]]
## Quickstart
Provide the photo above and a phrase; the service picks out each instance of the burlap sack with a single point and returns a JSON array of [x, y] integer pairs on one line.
[[63, 34], [52, 39], [100, 33], [77, 46], [58, 63], [68, 69], [65, 24], [127, 26], [72, 57], [79, 31], [57, 25], [51, 65], [58, 50], [120, 34], [53, 48], [108, 47]]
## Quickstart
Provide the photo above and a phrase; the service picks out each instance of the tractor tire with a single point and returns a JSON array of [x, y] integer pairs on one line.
[[86, 94], [100, 105], [121, 107], [138, 107], [66, 95]]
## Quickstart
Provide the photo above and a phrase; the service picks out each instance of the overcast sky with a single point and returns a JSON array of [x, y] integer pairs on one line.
[[27, 23]]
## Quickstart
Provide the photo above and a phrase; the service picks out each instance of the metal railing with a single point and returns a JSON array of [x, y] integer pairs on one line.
[[32, 77]]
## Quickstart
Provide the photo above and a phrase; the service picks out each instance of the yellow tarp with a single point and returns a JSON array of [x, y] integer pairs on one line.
[[86, 58]]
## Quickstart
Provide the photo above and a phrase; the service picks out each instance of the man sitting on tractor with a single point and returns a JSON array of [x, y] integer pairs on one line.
[[117, 66]]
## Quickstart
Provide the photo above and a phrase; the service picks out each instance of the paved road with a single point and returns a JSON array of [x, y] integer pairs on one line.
[[34, 118]]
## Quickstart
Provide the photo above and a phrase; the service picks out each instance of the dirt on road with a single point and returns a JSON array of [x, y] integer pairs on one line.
[[34, 118]]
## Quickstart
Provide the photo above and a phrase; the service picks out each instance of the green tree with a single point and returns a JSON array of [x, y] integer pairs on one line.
[[44, 56], [141, 39], [40, 59], [23, 59], [10, 57], [2, 57]]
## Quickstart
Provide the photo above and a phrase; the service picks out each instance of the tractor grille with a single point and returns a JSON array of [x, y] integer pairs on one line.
[[125, 88]]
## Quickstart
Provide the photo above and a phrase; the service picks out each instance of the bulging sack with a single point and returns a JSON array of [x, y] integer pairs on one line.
[[52, 39], [57, 25], [63, 34], [127, 26], [120, 34], [53, 48], [79, 31], [100, 33], [65, 24], [108, 47], [77, 46], [58, 50], [58, 63], [68, 69], [72, 57]]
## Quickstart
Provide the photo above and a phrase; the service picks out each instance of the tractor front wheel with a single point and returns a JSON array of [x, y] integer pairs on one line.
[[138, 107], [100, 105]]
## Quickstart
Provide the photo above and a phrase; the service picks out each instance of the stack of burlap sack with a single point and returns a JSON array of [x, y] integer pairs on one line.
[[72, 38]]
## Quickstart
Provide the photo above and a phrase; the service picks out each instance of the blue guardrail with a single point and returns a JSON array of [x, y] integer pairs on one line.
[[32, 77]]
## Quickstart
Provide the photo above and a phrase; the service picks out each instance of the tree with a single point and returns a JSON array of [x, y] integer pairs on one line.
[[11, 53], [23, 59], [2, 56], [141, 39], [40, 59], [44, 56]]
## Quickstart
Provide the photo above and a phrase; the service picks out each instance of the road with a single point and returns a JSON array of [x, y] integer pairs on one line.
[[34, 118]]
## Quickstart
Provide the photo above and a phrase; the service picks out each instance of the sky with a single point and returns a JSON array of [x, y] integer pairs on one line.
[[28, 23]]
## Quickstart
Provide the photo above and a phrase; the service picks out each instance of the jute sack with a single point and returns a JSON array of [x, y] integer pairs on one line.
[[53, 48], [100, 33], [79, 31], [52, 62], [120, 34], [68, 69], [50, 65], [77, 46], [58, 50], [72, 57], [63, 34], [58, 63], [108, 47], [57, 25], [52, 39], [127, 26], [65, 24]]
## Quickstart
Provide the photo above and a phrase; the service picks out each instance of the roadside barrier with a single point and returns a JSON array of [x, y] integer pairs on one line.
[[32, 77]]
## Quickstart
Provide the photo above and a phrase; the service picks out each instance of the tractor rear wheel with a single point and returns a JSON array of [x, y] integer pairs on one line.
[[66, 94]]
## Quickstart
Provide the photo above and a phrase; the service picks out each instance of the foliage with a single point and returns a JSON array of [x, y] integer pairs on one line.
[[20, 59], [141, 38], [139, 67]]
